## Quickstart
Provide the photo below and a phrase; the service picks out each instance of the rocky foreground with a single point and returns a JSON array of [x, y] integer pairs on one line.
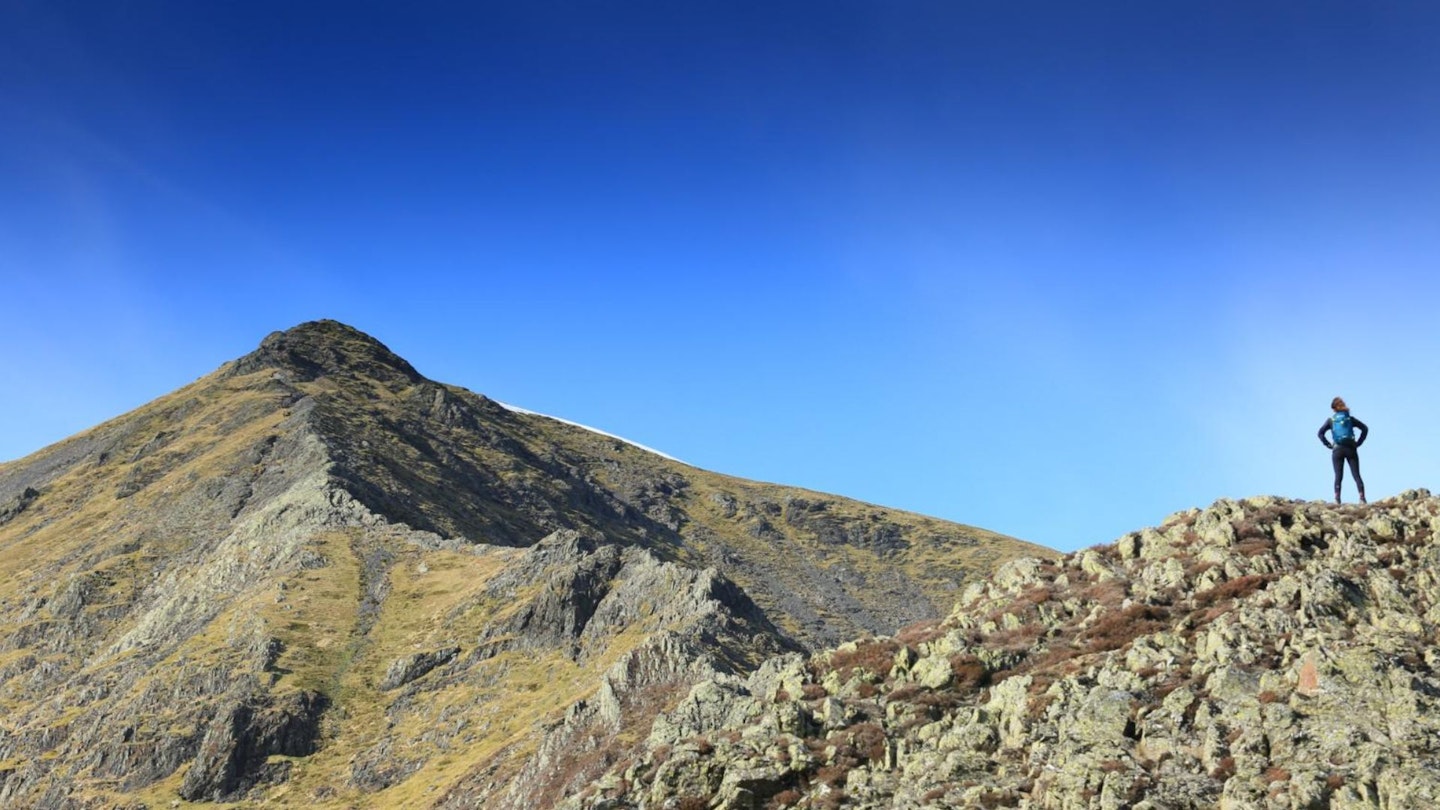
[[1263, 653]]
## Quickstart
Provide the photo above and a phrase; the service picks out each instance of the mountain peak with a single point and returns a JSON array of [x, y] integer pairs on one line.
[[316, 553], [326, 348]]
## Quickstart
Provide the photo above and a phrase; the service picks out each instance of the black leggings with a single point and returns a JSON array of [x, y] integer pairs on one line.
[[1341, 454]]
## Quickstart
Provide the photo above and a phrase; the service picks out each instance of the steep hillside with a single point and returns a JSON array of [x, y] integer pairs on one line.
[[440, 459], [1261, 653], [316, 578]]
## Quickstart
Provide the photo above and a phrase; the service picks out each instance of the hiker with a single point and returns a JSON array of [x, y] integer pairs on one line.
[[1342, 428]]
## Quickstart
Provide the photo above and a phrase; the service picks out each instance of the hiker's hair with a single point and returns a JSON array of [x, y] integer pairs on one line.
[[1338, 404]]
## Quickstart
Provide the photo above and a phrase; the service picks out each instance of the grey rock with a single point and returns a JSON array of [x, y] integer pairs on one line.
[[12, 508], [407, 669], [234, 754], [1296, 674]]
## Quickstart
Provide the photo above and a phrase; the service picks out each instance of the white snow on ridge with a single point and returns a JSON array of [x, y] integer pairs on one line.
[[586, 427]]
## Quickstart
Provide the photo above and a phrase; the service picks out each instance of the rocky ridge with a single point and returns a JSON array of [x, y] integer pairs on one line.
[[316, 578], [1262, 653]]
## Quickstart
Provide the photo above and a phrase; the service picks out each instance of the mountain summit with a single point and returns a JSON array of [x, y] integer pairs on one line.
[[317, 578], [328, 348]]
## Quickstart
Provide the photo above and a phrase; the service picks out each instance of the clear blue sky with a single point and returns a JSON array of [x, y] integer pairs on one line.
[[1056, 269]]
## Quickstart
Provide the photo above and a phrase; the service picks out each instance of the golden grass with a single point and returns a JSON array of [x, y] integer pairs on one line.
[[316, 619], [506, 699]]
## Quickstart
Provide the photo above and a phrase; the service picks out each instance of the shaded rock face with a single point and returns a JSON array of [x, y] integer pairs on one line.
[[1258, 653], [315, 578], [234, 754], [18, 504], [411, 667]]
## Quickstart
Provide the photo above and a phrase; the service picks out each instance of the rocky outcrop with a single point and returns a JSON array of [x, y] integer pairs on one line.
[[575, 595], [581, 591], [1258, 653], [234, 754], [18, 504], [407, 669]]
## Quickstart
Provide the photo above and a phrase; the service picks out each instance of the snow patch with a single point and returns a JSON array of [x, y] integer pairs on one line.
[[528, 412]]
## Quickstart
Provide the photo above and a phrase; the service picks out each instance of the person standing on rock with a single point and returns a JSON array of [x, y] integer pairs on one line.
[[1342, 427]]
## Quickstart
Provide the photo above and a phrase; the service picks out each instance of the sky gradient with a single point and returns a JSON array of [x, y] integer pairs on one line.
[[1049, 268]]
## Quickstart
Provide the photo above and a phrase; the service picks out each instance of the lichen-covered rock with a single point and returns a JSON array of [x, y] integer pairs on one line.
[[1258, 653]]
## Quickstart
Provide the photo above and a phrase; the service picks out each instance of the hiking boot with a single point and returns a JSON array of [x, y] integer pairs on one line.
[[1337, 497], [1362, 498]]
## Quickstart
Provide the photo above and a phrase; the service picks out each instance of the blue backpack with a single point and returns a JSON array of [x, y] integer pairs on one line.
[[1341, 427]]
